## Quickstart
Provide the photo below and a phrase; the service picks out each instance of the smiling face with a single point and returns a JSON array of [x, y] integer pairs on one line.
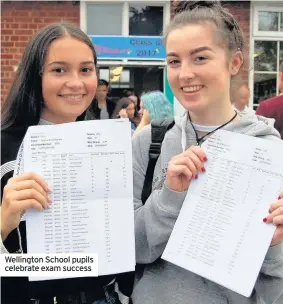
[[199, 70], [69, 80]]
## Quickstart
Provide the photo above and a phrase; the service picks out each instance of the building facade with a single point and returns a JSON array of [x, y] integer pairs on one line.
[[118, 26], [266, 49]]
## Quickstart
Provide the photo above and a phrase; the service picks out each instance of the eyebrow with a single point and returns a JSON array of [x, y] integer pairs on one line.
[[66, 63], [197, 50]]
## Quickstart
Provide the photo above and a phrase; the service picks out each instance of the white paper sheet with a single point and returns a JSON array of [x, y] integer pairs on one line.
[[88, 166], [220, 233]]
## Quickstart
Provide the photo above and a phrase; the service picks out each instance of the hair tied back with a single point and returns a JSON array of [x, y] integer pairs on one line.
[[192, 5]]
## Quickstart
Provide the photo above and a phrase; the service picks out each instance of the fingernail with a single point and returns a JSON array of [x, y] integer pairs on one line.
[[205, 158], [48, 206], [269, 211], [50, 200], [203, 169], [279, 197], [48, 189], [265, 220], [196, 177]]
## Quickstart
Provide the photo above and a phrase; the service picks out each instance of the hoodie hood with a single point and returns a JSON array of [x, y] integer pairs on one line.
[[249, 124]]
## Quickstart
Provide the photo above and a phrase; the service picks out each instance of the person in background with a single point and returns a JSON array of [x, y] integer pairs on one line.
[[55, 83], [134, 97], [125, 108], [204, 51], [273, 107], [154, 105], [102, 107], [241, 98]]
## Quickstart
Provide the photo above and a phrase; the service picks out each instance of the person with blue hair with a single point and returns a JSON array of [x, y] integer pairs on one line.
[[154, 105]]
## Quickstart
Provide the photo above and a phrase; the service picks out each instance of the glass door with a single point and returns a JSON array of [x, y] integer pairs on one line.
[[138, 79]]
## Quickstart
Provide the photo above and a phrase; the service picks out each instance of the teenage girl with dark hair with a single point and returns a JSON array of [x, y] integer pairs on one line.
[[55, 83], [125, 108]]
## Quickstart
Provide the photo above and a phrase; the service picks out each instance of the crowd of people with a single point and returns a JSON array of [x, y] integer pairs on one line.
[[204, 47], [139, 110]]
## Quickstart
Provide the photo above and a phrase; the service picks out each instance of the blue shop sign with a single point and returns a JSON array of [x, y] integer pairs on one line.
[[129, 47]]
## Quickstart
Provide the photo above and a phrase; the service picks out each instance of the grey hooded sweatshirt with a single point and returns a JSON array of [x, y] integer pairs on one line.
[[166, 283]]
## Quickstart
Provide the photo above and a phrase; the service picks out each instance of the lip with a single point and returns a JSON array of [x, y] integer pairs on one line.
[[66, 95]]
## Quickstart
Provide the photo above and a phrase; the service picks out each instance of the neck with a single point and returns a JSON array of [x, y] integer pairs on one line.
[[214, 116], [101, 102], [56, 119]]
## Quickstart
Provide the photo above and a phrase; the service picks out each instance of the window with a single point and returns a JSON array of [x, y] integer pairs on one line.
[[265, 56], [142, 79], [268, 20], [267, 51], [124, 18], [104, 18], [145, 20]]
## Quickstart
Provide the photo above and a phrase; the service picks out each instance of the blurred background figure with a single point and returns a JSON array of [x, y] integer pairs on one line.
[[125, 108], [241, 98], [154, 105], [134, 97], [102, 107], [273, 107]]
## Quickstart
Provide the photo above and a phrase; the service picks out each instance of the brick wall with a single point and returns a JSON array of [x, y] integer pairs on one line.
[[241, 11], [19, 21]]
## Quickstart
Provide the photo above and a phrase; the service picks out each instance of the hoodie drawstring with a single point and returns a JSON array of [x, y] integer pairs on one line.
[[184, 120]]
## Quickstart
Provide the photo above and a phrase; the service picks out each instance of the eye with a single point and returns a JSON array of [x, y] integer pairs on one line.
[[58, 70], [173, 62], [200, 59], [87, 70]]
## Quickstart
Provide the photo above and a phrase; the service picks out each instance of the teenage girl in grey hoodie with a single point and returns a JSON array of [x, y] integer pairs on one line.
[[204, 52]]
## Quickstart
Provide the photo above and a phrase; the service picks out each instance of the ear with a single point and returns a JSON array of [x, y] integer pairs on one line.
[[236, 62]]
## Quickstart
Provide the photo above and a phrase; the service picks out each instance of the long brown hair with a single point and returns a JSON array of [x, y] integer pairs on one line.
[[24, 102]]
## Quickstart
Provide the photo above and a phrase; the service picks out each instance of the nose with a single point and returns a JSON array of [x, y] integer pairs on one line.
[[74, 82], [186, 72]]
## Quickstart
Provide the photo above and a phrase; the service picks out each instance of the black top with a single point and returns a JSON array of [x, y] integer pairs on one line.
[[94, 111], [19, 289]]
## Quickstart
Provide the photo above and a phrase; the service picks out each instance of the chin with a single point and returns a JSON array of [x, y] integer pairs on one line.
[[191, 105], [72, 116]]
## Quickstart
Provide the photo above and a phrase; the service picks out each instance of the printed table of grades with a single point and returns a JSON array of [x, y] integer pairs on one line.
[[88, 167], [220, 233]]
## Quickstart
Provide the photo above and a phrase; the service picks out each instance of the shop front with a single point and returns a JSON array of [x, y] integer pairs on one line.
[[127, 36]]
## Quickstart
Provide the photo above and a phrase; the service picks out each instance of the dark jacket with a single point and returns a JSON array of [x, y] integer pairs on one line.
[[94, 111], [273, 108], [18, 290]]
